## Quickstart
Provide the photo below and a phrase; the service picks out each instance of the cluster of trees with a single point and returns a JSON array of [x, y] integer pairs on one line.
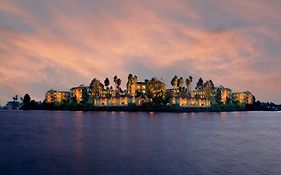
[[266, 106], [155, 89], [25, 102], [179, 89]]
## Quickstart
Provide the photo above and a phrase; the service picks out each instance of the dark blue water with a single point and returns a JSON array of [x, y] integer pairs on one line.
[[46, 142]]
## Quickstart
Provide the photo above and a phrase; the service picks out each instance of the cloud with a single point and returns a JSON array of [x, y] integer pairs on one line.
[[60, 44]]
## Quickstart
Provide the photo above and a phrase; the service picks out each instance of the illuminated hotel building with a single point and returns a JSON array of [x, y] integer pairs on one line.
[[76, 92], [225, 95], [53, 96], [243, 97], [137, 87]]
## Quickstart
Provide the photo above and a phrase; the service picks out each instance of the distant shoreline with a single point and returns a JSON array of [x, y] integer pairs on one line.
[[158, 111], [174, 108]]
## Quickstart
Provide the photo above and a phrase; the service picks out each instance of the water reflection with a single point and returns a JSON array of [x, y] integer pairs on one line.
[[78, 134], [151, 114], [223, 118], [55, 141], [50, 142]]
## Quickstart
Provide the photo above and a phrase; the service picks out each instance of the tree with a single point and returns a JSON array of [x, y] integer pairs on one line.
[[26, 100], [155, 90], [115, 80], [73, 99], [187, 82], [200, 84], [85, 95], [218, 97], [174, 83], [130, 76], [180, 83], [190, 81], [15, 98], [106, 83], [209, 89], [129, 82], [118, 82], [96, 88]]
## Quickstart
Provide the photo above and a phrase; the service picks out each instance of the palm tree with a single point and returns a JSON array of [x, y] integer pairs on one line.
[[187, 82], [209, 89], [106, 83], [179, 84], [190, 79], [118, 82], [174, 82], [130, 77], [92, 84], [115, 80], [200, 84], [188, 85]]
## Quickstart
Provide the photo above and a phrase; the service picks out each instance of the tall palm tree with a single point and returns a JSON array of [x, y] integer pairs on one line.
[[189, 87], [174, 83], [115, 80], [106, 83], [190, 79], [200, 84], [187, 82], [180, 84], [118, 82], [129, 82]]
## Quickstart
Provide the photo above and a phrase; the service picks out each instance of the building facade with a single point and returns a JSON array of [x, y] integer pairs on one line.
[[243, 97], [77, 93], [53, 96]]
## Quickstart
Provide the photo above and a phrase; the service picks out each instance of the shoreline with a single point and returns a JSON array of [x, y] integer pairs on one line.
[[172, 109]]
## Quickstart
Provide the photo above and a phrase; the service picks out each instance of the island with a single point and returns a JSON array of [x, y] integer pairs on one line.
[[149, 95]]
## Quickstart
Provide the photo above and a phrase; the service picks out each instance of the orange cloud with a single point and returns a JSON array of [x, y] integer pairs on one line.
[[71, 42]]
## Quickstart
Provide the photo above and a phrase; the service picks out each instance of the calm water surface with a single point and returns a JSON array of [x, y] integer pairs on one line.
[[49, 142]]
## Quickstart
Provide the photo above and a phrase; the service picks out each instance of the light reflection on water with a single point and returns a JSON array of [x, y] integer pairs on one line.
[[53, 142]]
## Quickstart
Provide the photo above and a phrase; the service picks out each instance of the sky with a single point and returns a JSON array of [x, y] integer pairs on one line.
[[59, 44]]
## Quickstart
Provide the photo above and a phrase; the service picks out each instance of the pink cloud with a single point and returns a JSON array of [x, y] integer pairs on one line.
[[78, 41]]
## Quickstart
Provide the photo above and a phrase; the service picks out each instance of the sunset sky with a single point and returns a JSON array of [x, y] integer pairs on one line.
[[58, 44]]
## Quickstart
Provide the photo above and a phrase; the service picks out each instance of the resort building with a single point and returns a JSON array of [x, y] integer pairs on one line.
[[225, 94], [53, 96], [243, 97], [193, 102], [114, 101], [198, 94], [138, 87], [77, 92]]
